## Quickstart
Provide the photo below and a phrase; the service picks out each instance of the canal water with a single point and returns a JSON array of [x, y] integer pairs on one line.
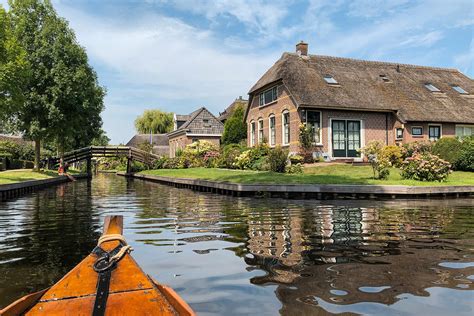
[[236, 256]]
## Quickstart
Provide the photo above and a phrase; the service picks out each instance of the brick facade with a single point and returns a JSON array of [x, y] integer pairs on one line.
[[181, 141], [379, 126]]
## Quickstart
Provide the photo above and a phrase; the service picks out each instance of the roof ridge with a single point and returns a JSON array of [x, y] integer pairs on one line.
[[387, 63]]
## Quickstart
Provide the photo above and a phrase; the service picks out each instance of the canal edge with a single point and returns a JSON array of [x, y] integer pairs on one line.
[[13, 190], [310, 191]]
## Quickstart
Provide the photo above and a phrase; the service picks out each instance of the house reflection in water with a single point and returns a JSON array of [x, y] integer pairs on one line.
[[346, 255]]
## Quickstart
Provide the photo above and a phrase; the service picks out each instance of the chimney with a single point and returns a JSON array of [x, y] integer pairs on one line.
[[302, 48]]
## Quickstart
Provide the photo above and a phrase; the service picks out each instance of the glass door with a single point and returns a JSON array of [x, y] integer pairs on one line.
[[434, 132], [339, 138], [346, 138]]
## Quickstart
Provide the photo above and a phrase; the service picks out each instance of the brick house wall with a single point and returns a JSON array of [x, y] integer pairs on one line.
[[181, 141], [447, 130]]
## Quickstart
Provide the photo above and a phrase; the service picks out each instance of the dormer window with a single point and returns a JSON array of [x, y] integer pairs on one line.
[[431, 87], [330, 79], [459, 89], [268, 96], [384, 78]]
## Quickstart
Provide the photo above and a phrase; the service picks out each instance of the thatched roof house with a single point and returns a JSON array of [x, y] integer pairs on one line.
[[200, 125], [159, 141], [349, 102], [223, 116]]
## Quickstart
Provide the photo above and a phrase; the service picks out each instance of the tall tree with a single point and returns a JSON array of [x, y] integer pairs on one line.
[[13, 71], [154, 121], [235, 129], [63, 100]]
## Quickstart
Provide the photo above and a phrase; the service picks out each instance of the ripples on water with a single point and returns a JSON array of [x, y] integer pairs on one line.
[[228, 255]]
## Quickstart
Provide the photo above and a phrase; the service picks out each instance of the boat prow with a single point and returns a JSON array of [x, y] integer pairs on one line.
[[106, 282]]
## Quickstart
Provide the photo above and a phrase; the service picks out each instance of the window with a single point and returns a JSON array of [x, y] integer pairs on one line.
[[330, 79], [384, 78], [464, 130], [195, 140], [271, 130], [252, 134], [399, 133], [431, 87], [313, 120], [434, 132], [260, 131], [268, 96], [459, 89], [286, 127], [417, 131]]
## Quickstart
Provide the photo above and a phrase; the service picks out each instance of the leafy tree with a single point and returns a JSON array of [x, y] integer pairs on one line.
[[235, 129], [13, 70], [154, 121], [63, 100], [101, 140]]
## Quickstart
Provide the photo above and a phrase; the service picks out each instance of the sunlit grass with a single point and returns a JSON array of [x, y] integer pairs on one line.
[[319, 174], [19, 175]]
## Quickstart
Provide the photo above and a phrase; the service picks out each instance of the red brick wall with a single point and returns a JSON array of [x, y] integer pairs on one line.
[[181, 141], [447, 130]]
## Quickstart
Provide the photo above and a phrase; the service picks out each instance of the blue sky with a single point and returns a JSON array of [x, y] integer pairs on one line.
[[180, 55]]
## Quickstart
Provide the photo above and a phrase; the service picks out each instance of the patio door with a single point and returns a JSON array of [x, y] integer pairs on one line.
[[345, 138]]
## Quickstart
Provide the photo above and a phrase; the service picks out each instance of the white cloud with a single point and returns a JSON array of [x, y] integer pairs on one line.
[[427, 39]]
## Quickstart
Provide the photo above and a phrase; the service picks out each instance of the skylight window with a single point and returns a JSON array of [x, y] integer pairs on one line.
[[330, 79], [384, 78], [431, 87], [460, 90]]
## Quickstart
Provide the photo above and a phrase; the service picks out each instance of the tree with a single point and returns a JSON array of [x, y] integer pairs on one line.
[[155, 122], [63, 100], [13, 70], [101, 140], [235, 129]]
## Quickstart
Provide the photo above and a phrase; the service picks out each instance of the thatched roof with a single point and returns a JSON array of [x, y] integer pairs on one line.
[[157, 140], [223, 116], [361, 87]]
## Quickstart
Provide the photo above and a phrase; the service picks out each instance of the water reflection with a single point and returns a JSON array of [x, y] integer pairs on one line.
[[229, 255]]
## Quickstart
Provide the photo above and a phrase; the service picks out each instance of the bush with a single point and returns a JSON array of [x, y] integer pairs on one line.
[[425, 167], [253, 158], [229, 154], [235, 128], [447, 148], [376, 158], [394, 155], [294, 168], [295, 159], [465, 161], [14, 150], [171, 163], [277, 159], [306, 143], [420, 147]]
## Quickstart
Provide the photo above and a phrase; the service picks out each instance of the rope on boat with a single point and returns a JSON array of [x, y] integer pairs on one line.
[[125, 249]]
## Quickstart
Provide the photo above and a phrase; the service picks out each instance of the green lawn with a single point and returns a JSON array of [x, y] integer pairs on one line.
[[19, 175], [319, 174]]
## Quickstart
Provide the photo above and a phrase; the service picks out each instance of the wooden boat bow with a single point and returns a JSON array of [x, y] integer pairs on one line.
[[84, 291]]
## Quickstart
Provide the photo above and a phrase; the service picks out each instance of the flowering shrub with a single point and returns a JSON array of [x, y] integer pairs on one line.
[[416, 147], [253, 158], [379, 162], [425, 167], [229, 154], [465, 160], [394, 155], [295, 159], [211, 158]]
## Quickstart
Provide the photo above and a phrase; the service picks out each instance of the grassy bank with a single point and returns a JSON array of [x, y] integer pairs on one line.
[[20, 175], [319, 174]]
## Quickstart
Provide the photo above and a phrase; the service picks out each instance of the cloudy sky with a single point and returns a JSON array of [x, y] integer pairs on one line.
[[180, 55]]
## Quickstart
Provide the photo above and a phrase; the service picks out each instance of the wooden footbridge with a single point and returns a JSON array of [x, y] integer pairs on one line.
[[87, 153]]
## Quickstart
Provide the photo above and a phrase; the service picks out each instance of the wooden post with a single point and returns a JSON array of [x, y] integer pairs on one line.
[[129, 165], [89, 167]]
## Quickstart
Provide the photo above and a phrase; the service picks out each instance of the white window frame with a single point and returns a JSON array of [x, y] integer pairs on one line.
[[252, 133], [261, 135], [261, 97], [272, 142], [417, 135], [463, 126], [283, 141], [396, 136], [440, 130], [320, 125]]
